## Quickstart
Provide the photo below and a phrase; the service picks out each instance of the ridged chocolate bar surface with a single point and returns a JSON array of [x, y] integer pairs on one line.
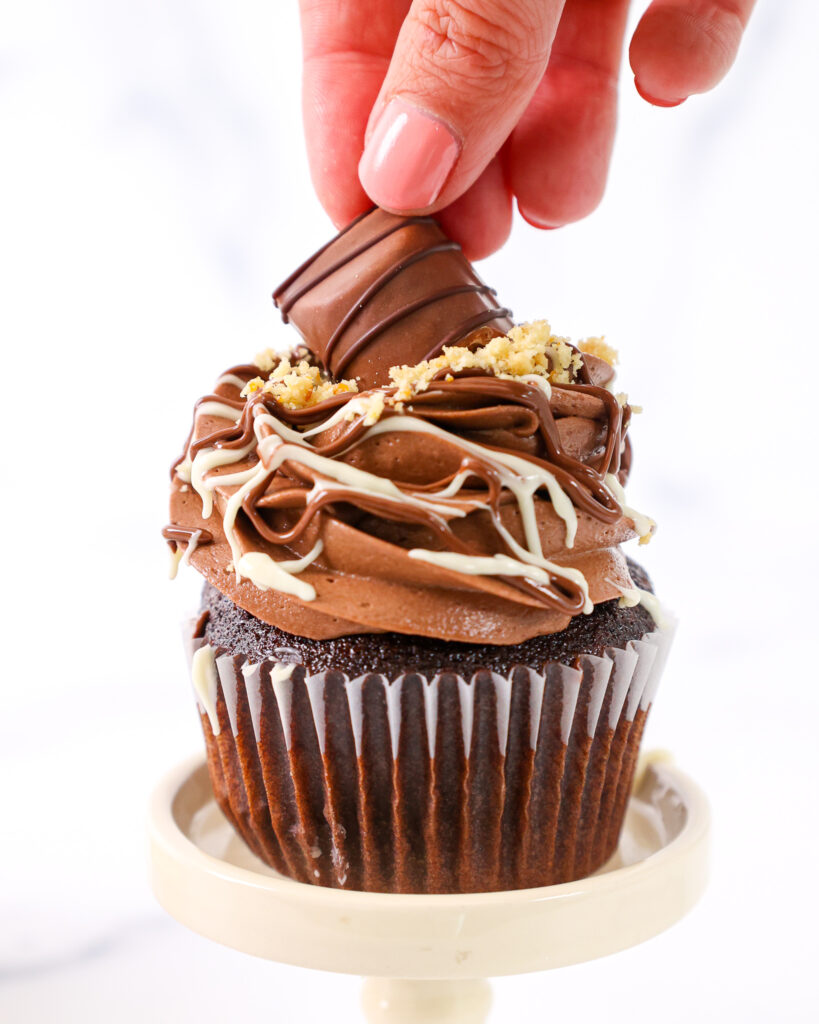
[[387, 290]]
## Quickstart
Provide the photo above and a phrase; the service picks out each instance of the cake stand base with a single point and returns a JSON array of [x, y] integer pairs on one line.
[[397, 1001], [427, 957]]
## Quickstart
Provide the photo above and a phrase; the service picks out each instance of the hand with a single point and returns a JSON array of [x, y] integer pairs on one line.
[[465, 104]]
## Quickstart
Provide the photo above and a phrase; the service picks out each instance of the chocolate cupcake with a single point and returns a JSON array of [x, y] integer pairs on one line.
[[422, 662]]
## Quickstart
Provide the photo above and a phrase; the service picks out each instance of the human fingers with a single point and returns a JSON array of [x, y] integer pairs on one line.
[[347, 48], [462, 73], [558, 156], [683, 47], [480, 220]]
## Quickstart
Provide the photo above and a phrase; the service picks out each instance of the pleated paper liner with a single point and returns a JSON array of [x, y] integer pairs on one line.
[[428, 785]]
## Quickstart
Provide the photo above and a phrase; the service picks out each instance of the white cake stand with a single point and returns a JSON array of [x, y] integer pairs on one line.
[[427, 958]]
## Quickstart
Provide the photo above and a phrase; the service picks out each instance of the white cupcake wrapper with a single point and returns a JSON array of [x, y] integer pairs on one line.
[[635, 673], [437, 785]]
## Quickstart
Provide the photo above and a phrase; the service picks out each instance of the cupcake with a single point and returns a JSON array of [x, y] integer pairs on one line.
[[422, 661]]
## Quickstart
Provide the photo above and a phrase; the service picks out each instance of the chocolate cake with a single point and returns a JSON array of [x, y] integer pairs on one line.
[[423, 662], [230, 628]]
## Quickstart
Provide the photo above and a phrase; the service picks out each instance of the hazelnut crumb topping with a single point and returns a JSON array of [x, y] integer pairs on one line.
[[297, 386], [527, 350], [266, 360], [369, 406], [599, 347]]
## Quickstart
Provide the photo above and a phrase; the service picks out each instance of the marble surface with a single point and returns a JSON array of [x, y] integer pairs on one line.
[[154, 189]]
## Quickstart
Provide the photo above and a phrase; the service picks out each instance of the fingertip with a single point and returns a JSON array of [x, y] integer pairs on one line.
[[337, 96], [558, 159], [487, 245], [532, 219], [341, 215], [480, 221], [677, 51], [342, 198], [476, 240], [655, 101]]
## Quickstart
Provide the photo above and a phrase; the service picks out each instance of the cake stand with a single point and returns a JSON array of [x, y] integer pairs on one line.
[[427, 958]]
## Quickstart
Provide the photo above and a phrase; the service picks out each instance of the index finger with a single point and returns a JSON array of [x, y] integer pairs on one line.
[[347, 46]]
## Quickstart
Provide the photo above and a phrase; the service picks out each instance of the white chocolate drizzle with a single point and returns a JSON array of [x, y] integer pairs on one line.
[[205, 683], [634, 595], [644, 525], [499, 565], [233, 379], [267, 574], [276, 443], [176, 554]]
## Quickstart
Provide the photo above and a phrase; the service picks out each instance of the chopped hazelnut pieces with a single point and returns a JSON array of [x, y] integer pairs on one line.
[[527, 350], [599, 347], [299, 385]]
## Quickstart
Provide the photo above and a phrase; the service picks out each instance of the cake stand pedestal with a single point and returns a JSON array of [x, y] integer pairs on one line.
[[427, 958]]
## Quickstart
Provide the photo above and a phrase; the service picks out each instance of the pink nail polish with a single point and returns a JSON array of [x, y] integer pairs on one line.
[[408, 158], [653, 99]]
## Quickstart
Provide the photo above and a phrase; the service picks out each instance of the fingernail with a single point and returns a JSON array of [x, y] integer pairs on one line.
[[653, 99], [530, 219], [408, 158]]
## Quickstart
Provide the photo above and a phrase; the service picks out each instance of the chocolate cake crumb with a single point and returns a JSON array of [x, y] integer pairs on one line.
[[233, 629]]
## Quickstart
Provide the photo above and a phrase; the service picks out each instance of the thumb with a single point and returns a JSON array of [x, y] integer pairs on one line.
[[460, 77]]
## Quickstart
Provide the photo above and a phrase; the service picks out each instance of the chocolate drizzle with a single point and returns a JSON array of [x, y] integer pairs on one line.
[[387, 290], [476, 497], [245, 372], [287, 500], [286, 304], [175, 535], [372, 291], [414, 307]]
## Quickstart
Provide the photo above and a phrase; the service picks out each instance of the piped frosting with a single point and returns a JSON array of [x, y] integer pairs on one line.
[[477, 496]]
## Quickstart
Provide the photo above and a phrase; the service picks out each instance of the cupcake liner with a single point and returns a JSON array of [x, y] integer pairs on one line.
[[427, 785]]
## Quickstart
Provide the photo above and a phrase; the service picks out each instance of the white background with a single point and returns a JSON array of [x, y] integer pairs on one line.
[[154, 190]]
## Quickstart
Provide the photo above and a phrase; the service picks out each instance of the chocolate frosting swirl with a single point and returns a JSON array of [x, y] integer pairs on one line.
[[386, 290], [484, 509], [476, 497]]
